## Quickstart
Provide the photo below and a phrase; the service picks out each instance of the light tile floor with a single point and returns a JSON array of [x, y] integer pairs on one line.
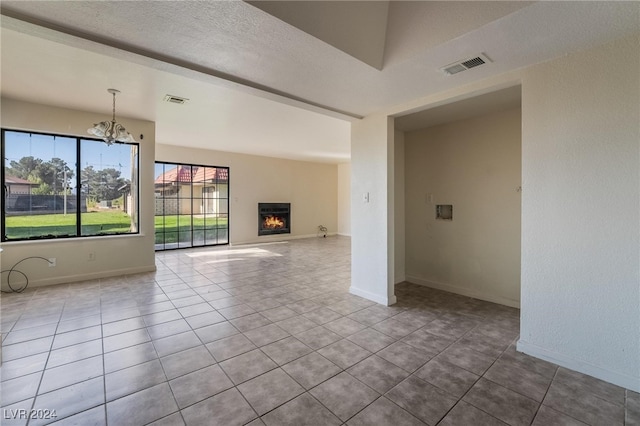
[[269, 334]]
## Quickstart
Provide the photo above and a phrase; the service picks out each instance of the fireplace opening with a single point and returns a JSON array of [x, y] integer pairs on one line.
[[274, 218]]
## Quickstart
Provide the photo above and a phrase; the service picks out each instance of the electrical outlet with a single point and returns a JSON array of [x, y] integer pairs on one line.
[[52, 262], [92, 256]]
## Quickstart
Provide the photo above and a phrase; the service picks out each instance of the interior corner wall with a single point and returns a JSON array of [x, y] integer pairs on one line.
[[399, 206], [311, 188], [344, 199], [115, 255], [473, 165], [372, 245], [581, 212], [580, 239]]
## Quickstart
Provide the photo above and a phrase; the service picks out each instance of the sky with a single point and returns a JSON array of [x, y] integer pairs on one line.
[[93, 152]]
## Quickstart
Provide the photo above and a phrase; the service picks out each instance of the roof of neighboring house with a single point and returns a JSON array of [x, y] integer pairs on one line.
[[188, 174], [18, 181]]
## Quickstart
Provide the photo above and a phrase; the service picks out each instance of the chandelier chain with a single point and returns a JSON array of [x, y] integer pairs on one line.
[[114, 107], [111, 131]]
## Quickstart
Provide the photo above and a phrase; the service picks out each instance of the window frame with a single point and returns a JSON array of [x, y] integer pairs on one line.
[[78, 181], [191, 198]]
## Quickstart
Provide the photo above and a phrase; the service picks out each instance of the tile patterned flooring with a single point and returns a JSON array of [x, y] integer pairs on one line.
[[269, 335]]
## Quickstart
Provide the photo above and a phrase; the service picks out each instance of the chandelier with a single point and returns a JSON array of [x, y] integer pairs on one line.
[[111, 131]]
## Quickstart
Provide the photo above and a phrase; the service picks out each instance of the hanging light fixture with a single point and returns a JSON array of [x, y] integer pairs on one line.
[[111, 131]]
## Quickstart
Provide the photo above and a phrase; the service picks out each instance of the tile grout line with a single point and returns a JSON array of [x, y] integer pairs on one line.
[[44, 368], [248, 288], [555, 373], [104, 369], [416, 370], [214, 358], [443, 350], [158, 355], [474, 383], [221, 369]]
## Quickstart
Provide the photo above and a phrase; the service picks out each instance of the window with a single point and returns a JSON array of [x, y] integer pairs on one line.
[[62, 186], [192, 205]]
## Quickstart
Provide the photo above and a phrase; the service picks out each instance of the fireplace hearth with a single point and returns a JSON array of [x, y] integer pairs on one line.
[[274, 218]]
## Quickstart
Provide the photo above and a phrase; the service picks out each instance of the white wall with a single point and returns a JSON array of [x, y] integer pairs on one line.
[[399, 204], [344, 199], [311, 188], [115, 255], [474, 165], [580, 212], [580, 279], [372, 244]]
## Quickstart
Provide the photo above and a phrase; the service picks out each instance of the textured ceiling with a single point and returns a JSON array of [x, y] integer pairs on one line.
[[212, 51], [215, 116]]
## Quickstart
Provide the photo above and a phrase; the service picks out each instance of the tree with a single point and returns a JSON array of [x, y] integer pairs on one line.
[[25, 168], [102, 185], [49, 174], [89, 181], [54, 173], [43, 189]]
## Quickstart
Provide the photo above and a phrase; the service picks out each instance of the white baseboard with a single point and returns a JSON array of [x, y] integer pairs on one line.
[[464, 292], [277, 238], [344, 235], [392, 300], [619, 379], [90, 276], [381, 299]]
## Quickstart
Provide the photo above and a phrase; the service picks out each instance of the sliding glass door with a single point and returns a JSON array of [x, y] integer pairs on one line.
[[192, 205]]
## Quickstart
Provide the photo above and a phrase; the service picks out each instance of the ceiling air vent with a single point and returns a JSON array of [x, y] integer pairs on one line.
[[175, 99], [465, 64]]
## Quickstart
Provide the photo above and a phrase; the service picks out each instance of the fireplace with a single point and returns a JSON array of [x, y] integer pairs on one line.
[[274, 218]]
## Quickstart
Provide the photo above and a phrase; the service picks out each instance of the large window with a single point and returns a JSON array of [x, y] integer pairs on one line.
[[192, 205], [63, 186]]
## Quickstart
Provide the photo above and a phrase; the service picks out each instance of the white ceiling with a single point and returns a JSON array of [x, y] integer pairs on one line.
[[492, 102], [258, 84], [217, 116]]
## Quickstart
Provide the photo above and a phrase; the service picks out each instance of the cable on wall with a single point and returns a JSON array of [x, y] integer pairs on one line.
[[14, 270]]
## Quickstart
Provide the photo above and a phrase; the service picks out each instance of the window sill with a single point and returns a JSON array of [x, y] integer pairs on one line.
[[73, 239]]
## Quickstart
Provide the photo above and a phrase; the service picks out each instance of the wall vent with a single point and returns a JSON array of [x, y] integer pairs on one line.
[[175, 99], [465, 64]]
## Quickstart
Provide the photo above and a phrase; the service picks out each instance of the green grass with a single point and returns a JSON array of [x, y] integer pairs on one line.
[[113, 222], [179, 228], [93, 223], [183, 223]]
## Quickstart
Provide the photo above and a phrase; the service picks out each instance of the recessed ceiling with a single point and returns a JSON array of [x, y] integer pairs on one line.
[[357, 28], [259, 84], [476, 106]]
